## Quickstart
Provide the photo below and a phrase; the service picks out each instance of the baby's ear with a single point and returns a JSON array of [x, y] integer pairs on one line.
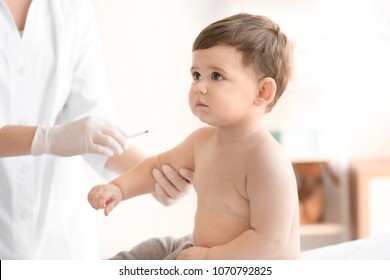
[[266, 92]]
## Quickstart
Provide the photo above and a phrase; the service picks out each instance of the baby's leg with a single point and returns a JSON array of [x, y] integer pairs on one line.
[[165, 248], [178, 246]]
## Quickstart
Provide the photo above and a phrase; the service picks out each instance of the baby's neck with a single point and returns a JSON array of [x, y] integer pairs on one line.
[[233, 135]]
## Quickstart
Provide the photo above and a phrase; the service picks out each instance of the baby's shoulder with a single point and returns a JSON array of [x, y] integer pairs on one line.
[[271, 166], [206, 130], [268, 155], [199, 136], [203, 132]]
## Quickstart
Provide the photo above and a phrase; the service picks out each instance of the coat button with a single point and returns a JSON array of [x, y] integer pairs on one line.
[[24, 168], [21, 71]]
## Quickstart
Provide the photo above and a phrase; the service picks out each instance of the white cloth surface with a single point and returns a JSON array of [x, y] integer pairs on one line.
[[371, 248], [52, 74]]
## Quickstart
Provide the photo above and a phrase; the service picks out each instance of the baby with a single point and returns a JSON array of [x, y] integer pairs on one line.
[[247, 203]]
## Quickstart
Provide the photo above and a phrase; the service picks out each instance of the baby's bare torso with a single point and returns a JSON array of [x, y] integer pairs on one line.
[[223, 209]]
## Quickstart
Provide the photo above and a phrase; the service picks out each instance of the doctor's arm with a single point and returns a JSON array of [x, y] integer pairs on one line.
[[15, 140], [87, 135]]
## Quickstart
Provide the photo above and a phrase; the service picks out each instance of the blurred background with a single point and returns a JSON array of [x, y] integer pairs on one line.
[[333, 116]]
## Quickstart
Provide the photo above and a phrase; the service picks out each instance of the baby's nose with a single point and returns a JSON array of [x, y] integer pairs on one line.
[[201, 88]]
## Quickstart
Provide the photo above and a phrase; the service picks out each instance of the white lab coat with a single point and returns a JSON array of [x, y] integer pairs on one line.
[[52, 74]]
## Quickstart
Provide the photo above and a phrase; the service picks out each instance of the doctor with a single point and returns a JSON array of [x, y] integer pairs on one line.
[[53, 106]]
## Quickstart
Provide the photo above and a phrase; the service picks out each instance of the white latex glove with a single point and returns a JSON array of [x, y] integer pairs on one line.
[[171, 185], [87, 135]]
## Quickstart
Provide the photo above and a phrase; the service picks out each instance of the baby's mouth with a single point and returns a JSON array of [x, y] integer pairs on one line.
[[200, 104]]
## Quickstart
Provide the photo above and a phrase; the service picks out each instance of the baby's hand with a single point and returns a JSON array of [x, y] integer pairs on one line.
[[105, 196]]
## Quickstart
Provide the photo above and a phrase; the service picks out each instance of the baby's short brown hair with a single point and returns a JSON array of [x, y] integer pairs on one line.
[[262, 44]]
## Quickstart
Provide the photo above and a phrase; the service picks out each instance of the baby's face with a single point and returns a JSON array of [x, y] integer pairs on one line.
[[223, 89]]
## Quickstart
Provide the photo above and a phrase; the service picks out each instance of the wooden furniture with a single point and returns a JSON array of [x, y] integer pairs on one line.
[[327, 224], [311, 182]]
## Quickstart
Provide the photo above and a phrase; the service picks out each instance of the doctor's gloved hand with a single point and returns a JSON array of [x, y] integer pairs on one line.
[[171, 185], [87, 135]]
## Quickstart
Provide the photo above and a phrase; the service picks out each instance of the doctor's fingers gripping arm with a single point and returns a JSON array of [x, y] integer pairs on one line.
[[87, 135], [171, 185]]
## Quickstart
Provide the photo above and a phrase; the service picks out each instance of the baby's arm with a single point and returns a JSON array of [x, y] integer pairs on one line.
[[271, 191], [139, 180], [134, 182]]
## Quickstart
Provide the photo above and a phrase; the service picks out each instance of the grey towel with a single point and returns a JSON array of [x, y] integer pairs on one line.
[[164, 248]]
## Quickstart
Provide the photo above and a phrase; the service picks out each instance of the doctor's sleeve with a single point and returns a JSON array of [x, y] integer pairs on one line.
[[89, 89]]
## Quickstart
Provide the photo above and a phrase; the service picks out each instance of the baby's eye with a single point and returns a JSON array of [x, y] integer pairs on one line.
[[196, 76], [216, 76]]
